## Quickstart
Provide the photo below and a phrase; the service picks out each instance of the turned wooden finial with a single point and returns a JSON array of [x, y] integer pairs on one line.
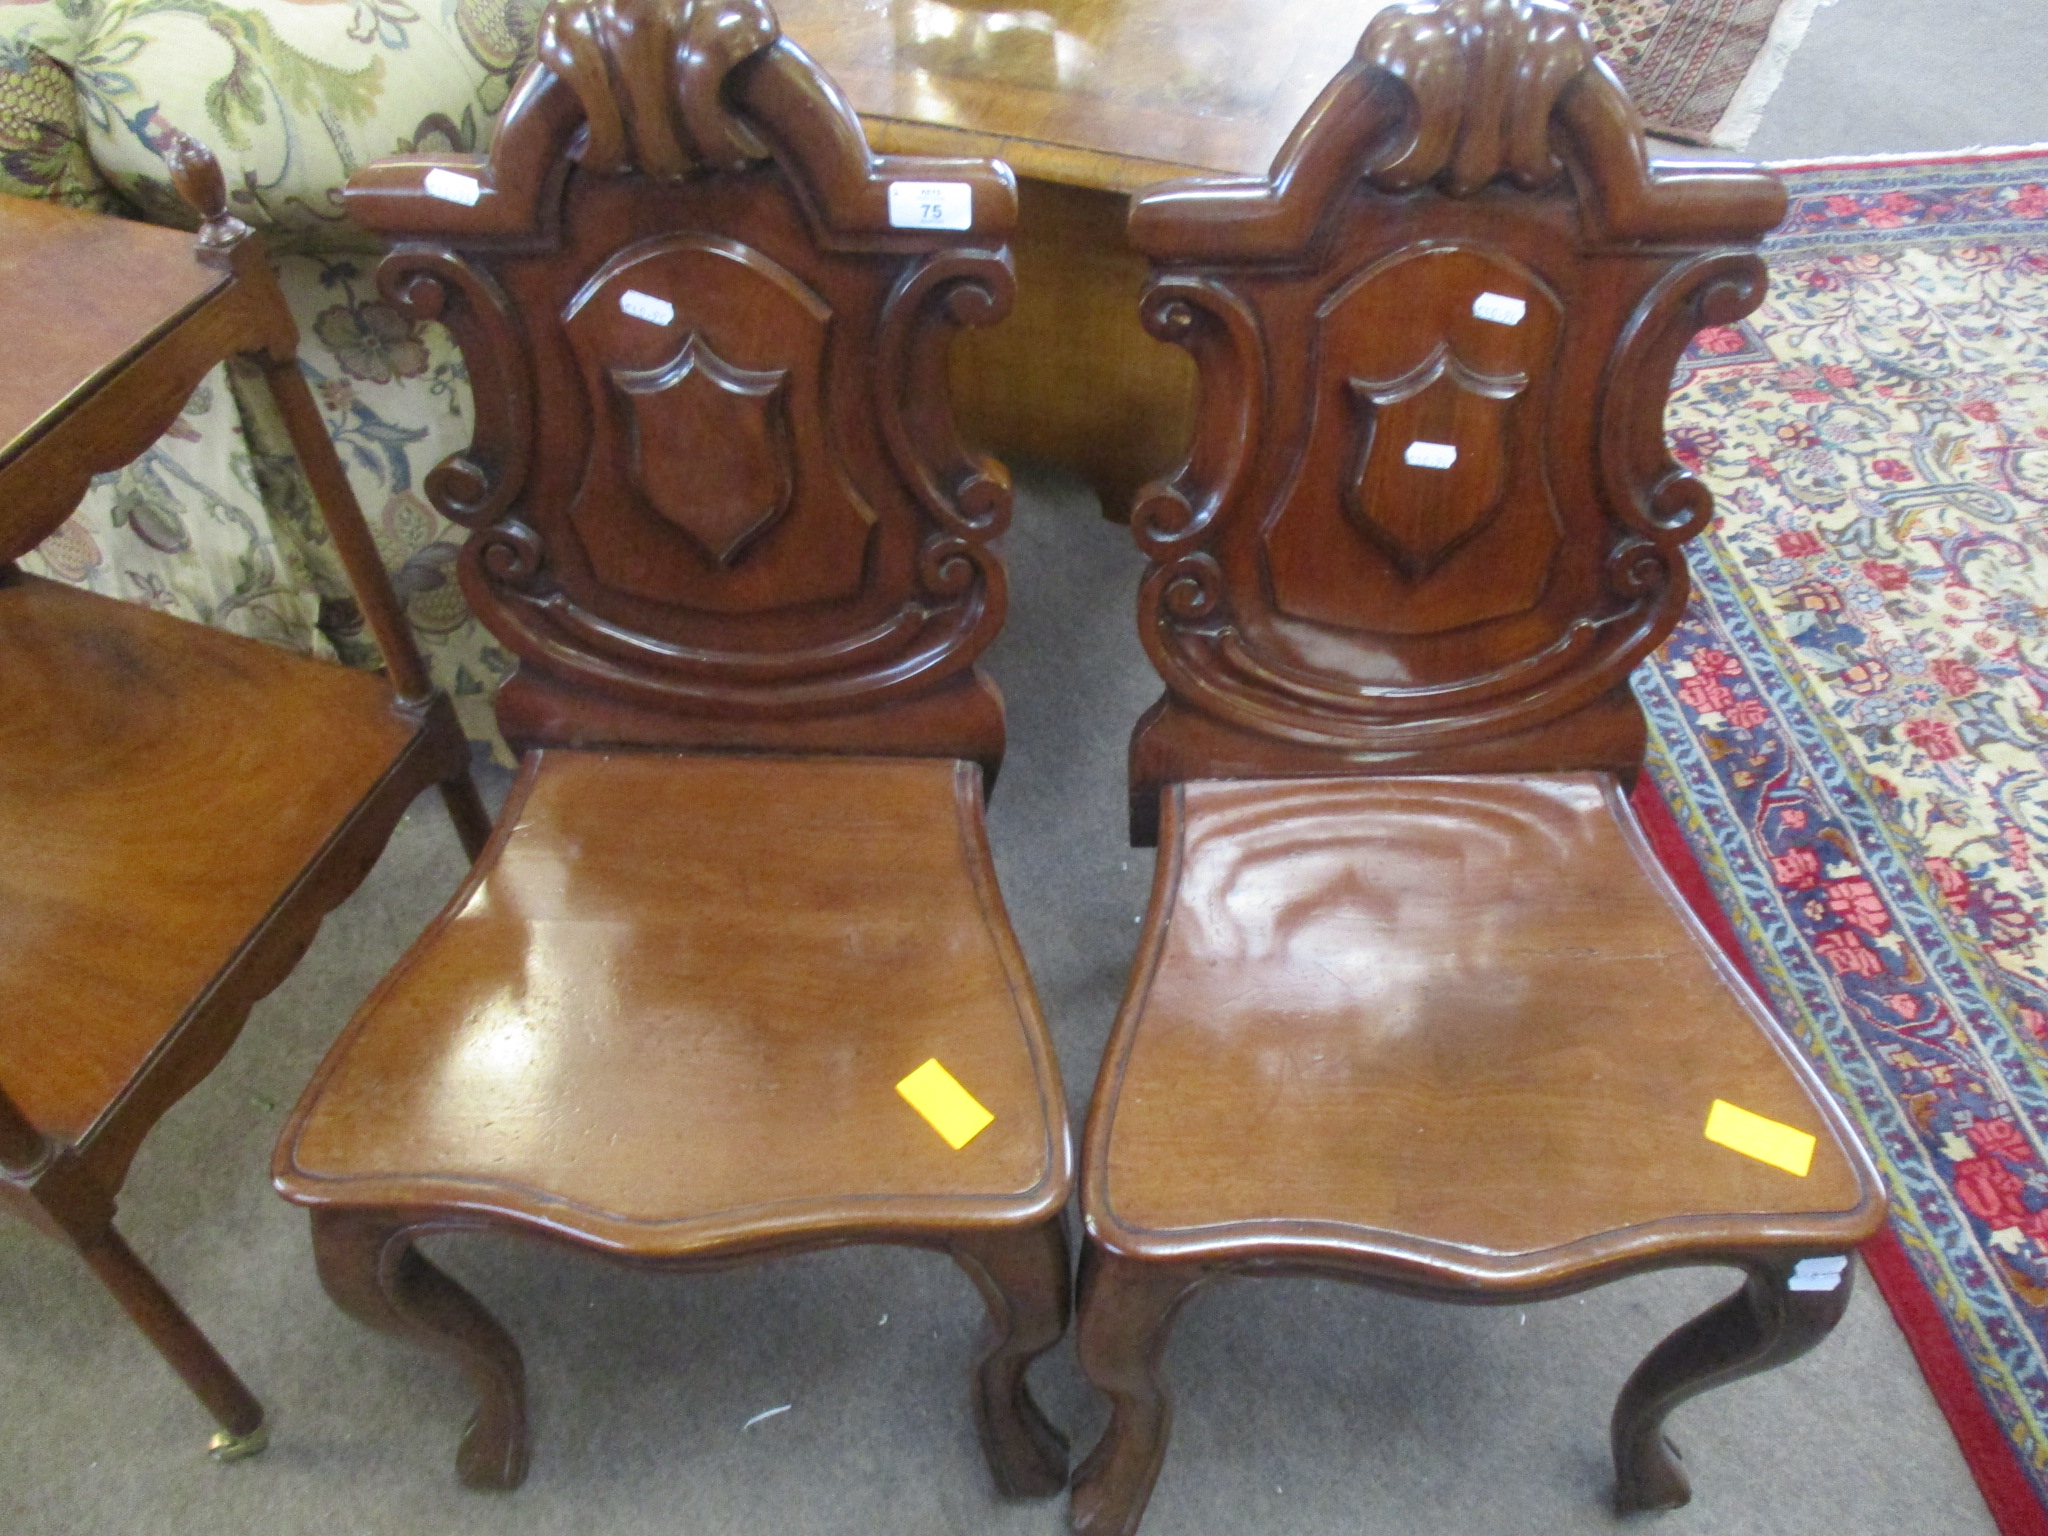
[[197, 176], [651, 77]]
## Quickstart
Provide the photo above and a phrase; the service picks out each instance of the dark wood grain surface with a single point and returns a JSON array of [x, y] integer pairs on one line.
[[1113, 94], [162, 786], [68, 333]]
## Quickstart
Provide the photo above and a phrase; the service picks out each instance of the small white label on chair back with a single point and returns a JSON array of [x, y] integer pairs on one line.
[[453, 186], [1500, 309], [931, 205], [1431, 455], [645, 306], [1818, 1274]]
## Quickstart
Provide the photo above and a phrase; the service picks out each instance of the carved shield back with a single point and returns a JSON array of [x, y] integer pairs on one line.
[[1428, 521], [715, 489]]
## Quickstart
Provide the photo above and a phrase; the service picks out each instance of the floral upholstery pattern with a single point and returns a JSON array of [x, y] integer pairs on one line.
[[184, 529], [291, 95], [42, 128]]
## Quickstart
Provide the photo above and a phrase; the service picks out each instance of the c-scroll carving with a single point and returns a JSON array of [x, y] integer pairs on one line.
[[1650, 493], [475, 486], [1214, 326], [966, 493]]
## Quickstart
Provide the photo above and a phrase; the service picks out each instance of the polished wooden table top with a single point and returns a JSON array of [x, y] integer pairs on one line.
[[139, 754], [81, 328], [1103, 93]]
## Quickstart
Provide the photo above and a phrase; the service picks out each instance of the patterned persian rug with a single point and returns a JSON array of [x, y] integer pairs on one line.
[[1701, 67], [1851, 728]]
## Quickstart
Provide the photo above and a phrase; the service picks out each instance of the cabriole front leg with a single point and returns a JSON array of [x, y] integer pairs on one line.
[[1025, 1277], [1785, 1308], [373, 1272], [1125, 1318]]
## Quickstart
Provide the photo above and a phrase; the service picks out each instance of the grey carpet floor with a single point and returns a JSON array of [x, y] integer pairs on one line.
[[1303, 1406]]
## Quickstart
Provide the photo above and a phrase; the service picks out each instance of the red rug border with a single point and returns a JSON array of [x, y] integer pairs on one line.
[[1993, 1461]]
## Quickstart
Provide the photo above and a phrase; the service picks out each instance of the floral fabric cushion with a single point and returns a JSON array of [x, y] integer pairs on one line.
[[184, 529], [43, 152], [292, 95]]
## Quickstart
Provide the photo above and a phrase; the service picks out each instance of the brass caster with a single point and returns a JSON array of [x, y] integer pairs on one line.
[[227, 1446]]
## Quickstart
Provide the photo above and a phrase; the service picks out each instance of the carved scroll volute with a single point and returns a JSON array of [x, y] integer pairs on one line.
[[475, 486], [965, 494], [1174, 520], [1653, 497]]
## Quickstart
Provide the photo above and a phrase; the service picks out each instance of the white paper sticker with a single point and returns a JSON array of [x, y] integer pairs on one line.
[[645, 306], [1500, 309], [1818, 1274], [931, 205], [1431, 455], [453, 186]]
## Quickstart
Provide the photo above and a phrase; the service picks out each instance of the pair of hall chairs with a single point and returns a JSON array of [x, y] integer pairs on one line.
[[1413, 1004]]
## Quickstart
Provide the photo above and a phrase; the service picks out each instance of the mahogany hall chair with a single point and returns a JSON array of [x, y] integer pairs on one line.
[[1414, 1005], [179, 806], [741, 900]]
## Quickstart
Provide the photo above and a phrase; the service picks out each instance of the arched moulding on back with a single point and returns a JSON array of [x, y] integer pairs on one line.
[[717, 491], [1428, 520]]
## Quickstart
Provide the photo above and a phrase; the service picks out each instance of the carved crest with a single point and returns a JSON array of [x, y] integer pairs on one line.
[[711, 446]]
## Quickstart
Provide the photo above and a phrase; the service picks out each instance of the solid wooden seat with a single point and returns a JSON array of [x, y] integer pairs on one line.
[[718, 507], [179, 807], [1413, 1006], [1461, 1023], [162, 787], [672, 1005]]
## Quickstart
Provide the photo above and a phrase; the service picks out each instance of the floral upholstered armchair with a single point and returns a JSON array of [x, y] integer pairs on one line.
[[214, 523]]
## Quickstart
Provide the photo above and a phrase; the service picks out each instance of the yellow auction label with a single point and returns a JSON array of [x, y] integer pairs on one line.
[[1766, 1140], [953, 1112]]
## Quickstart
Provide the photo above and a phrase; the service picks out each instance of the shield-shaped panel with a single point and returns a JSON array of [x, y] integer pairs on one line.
[[711, 449], [1430, 465]]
